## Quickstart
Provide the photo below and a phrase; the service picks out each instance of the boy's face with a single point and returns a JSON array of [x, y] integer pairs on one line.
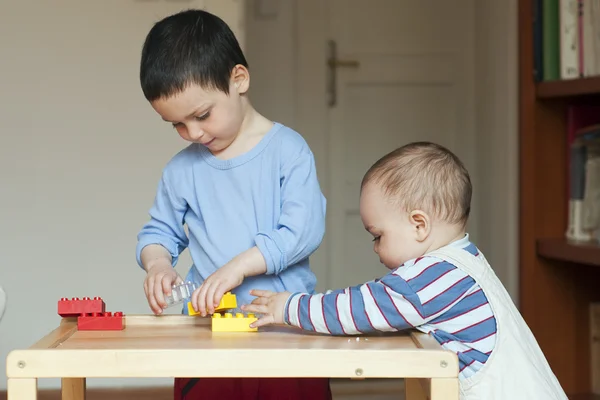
[[206, 116], [395, 234]]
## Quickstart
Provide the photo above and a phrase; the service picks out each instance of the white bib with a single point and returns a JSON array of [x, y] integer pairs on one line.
[[517, 368]]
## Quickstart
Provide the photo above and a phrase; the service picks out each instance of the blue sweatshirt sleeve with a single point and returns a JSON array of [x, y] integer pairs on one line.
[[301, 226], [165, 226]]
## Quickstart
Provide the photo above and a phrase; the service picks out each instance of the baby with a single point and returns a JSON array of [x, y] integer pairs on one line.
[[415, 201]]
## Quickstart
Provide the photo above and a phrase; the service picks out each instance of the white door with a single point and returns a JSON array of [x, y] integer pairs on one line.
[[405, 73]]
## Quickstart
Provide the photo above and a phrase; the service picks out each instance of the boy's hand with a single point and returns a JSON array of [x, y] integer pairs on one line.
[[270, 304], [208, 296], [159, 279]]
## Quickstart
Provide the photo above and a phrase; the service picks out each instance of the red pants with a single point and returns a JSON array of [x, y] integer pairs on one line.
[[252, 389]]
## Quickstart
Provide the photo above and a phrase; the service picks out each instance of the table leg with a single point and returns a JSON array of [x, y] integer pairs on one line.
[[414, 390], [21, 389], [444, 389], [73, 388]]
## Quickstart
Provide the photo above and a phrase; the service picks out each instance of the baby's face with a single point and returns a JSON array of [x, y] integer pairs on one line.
[[206, 116], [394, 237]]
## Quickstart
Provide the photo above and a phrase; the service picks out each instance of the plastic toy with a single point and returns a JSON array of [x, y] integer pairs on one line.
[[233, 323], [179, 293], [228, 302], [191, 310], [76, 306], [100, 322]]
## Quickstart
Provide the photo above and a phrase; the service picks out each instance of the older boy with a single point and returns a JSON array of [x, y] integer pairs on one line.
[[246, 188], [415, 201]]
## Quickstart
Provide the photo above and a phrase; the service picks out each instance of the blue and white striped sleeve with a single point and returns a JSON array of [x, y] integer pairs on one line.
[[406, 297]]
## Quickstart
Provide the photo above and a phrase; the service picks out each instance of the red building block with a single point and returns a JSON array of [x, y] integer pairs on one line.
[[76, 306], [100, 322]]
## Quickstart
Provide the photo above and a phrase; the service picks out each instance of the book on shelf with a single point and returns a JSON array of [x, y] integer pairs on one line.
[[595, 346], [566, 39], [583, 139]]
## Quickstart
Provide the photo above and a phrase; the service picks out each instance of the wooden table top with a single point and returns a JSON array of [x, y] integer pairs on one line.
[[175, 345]]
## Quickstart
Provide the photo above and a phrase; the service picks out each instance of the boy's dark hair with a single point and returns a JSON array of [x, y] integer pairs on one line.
[[426, 176], [190, 47]]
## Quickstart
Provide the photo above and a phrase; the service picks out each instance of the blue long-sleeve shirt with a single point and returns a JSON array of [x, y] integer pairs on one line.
[[268, 197]]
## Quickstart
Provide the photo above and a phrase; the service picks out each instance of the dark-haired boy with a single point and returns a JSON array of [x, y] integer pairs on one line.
[[246, 187]]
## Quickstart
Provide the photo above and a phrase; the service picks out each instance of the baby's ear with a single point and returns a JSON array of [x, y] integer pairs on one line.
[[421, 224]]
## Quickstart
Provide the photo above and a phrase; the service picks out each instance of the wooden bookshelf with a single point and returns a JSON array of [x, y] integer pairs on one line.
[[569, 88], [585, 397], [575, 252], [558, 279]]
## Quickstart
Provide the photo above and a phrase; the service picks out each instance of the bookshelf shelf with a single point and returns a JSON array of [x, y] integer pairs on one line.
[[568, 88], [585, 397], [576, 252]]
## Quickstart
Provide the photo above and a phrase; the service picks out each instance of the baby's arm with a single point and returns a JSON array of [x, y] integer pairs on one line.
[[392, 303], [301, 226], [402, 299]]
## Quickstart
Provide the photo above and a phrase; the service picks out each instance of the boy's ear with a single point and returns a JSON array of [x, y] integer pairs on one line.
[[421, 224], [240, 77]]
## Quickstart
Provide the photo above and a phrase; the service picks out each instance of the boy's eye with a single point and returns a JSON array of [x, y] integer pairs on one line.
[[203, 116]]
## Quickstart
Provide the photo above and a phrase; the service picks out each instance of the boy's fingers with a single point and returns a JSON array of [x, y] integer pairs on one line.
[[210, 296], [219, 292], [201, 299], [151, 298], [194, 299], [166, 283]]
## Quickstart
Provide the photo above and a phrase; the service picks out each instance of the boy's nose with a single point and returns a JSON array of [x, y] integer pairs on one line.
[[195, 134]]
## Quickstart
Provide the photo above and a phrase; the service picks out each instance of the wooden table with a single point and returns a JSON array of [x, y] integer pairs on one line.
[[184, 346]]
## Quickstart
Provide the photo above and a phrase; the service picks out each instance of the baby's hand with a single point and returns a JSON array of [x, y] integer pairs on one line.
[[208, 296], [159, 280], [270, 304]]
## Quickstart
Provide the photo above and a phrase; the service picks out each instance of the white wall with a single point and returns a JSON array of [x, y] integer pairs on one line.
[[81, 152], [497, 135]]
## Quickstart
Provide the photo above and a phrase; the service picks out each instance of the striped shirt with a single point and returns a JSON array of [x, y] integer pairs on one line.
[[426, 293]]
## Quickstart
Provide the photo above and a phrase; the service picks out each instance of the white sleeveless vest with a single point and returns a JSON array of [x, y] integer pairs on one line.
[[517, 368]]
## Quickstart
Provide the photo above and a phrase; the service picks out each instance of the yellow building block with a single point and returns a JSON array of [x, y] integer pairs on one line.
[[191, 310], [228, 301], [233, 323]]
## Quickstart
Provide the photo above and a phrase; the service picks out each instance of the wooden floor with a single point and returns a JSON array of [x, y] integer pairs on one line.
[[342, 390]]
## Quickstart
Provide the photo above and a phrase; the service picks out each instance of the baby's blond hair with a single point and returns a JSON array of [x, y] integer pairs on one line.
[[425, 176]]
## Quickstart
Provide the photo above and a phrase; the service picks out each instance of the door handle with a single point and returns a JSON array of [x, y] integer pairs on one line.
[[343, 63], [333, 63]]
